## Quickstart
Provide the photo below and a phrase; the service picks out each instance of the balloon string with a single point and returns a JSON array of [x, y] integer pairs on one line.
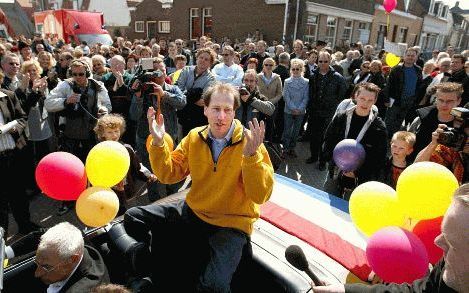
[[387, 24]]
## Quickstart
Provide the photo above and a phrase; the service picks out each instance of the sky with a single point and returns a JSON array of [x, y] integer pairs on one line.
[[464, 4]]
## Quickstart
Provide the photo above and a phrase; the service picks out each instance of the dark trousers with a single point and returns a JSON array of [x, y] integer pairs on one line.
[[12, 192], [278, 121], [78, 147], [317, 126], [210, 253]]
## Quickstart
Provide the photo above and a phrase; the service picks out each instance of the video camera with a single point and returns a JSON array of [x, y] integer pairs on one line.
[[455, 137]]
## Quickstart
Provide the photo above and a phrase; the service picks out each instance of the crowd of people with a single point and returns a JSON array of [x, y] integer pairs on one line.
[[56, 96]]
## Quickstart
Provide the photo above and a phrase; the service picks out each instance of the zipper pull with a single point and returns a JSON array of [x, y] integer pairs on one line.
[[215, 167]]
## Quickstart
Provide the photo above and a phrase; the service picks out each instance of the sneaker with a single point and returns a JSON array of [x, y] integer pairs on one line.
[[311, 160]]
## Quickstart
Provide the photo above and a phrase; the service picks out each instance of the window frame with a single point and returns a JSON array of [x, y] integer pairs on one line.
[[349, 28], [160, 26], [204, 15], [334, 34], [402, 38], [139, 22], [308, 37], [191, 17]]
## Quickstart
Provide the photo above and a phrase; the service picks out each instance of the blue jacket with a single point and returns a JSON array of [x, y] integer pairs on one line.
[[296, 94]]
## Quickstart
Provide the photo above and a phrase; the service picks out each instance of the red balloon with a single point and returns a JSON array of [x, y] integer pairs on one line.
[[389, 5], [397, 255], [427, 231], [61, 176]]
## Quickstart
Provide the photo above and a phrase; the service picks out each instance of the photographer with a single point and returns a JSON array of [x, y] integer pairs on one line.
[[448, 146], [253, 104], [193, 81], [448, 96], [80, 100]]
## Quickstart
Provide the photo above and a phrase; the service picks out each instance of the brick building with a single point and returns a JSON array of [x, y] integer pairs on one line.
[[405, 24], [190, 19]]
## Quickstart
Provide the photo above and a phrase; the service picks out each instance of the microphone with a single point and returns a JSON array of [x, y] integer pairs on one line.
[[296, 257]]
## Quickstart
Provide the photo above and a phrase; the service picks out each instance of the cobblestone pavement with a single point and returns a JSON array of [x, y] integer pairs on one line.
[[44, 210]]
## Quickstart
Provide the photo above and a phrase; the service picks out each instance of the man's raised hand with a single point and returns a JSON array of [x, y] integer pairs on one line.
[[157, 130], [254, 136]]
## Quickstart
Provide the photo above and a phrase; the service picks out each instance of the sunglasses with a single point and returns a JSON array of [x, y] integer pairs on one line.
[[323, 61], [78, 74], [296, 69], [268, 65]]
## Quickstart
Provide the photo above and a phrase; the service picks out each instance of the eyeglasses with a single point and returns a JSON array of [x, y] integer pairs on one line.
[[268, 65], [296, 69], [78, 74], [323, 61], [48, 268]]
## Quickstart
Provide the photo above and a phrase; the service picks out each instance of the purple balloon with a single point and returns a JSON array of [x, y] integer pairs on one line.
[[349, 155]]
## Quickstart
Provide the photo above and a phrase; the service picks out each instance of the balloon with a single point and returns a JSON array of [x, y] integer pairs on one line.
[[392, 60], [97, 206], [425, 190], [373, 205], [348, 155], [61, 176], [389, 5], [107, 163], [397, 255], [427, 231]]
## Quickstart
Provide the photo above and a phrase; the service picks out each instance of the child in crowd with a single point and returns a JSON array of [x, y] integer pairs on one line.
[[402, 145], [111, 127]]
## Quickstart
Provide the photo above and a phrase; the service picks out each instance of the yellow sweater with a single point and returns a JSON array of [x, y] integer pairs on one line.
[[225, 194]]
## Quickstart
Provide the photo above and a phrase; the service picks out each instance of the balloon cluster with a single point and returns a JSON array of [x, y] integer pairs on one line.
[[62, 176], [398, 251]]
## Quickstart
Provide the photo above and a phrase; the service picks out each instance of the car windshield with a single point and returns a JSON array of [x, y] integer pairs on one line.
[[92, 39]]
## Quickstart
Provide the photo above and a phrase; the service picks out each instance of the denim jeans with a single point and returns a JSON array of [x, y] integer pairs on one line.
[[292, 125], [222, 246]]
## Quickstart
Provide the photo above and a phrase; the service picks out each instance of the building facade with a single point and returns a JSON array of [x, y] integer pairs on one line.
[[459, 37], [437, 24]]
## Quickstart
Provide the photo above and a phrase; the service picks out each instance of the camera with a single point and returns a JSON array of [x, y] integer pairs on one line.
[[243, 90], [455, 137]]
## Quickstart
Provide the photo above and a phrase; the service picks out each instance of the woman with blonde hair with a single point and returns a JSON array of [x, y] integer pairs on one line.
[[99, 67], [296, 96]]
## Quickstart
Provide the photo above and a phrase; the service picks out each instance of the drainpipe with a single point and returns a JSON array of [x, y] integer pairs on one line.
[[296, 18], [284, 36]]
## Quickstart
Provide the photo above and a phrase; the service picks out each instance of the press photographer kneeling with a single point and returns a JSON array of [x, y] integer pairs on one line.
[[450, 146]]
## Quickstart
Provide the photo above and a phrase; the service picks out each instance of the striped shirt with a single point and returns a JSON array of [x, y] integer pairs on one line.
[[6, 140]]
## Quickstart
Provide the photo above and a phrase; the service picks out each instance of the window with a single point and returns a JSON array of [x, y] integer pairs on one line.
[[152, 29], [402, 35], [444, 12], [331, 31], [436, 8], [348, 26], [139, 26], [207, 28], [311, 29], [195, 25], [364, 26], [164, 27]]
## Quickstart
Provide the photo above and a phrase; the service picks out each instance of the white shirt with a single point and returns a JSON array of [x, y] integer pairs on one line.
[[57, 286], [228, 74]]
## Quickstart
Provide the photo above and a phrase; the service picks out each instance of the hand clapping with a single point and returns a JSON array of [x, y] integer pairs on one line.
[[157, 130]]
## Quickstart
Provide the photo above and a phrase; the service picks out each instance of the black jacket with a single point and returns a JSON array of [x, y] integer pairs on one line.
[[431, 283], [374, 142], [283, 72], [326, 92], [91, 272], [395, 84], [379, 80], [462, 78]]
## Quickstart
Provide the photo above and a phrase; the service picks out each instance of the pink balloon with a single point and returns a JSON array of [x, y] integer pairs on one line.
[[389, 5], [397, 255], [427, 231], [61, 176]]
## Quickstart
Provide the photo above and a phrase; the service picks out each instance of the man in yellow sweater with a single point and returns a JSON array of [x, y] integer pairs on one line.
[[231, 176]]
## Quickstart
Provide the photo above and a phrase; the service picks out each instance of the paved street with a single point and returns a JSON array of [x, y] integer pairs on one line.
[[43, 209]]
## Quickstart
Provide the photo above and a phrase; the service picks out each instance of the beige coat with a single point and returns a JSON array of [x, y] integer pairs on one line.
[[272, 91]]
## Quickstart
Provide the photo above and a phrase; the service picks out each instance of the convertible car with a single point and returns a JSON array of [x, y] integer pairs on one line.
[[296, 214]]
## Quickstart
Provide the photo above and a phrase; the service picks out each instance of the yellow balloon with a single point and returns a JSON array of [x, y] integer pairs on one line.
[[374, 205], [107, 163], [392, 60], [97, 206], [425, 190]]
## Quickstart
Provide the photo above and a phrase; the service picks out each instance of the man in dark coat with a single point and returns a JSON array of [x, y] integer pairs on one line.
[[65, 264]]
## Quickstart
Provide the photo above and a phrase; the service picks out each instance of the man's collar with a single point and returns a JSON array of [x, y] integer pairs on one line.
[[57, 286]]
